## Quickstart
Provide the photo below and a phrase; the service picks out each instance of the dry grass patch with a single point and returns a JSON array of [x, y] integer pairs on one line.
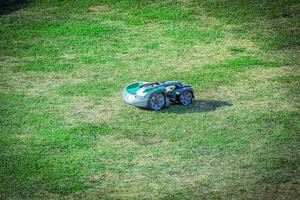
[[85, 110], [257, 91], [102, 177], [266, 74], [98, 8], [37, 83], [43, 194], [69, 56]]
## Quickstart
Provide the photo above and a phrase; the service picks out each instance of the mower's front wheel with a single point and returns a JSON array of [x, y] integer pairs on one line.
[[186, 98]]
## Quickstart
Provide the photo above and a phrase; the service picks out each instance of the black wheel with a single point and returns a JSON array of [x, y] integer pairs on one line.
[[157, 101], [186, 98]]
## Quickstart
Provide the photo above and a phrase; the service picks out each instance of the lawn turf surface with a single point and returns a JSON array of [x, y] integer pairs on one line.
[[65, 132]]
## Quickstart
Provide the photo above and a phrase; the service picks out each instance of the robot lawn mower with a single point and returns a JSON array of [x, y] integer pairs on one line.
[[157, 95]]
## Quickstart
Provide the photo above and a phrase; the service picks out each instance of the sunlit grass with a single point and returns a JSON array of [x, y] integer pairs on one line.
[[65, 132]]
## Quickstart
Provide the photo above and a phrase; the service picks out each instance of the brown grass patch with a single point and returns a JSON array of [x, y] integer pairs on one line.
[[68, 56], [98, 8], [105, 176], [257, 91], [85, 110]]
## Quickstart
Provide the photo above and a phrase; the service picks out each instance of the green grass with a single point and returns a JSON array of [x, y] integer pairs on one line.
[[65, 132], [192, 34], [92, 88], [237, 49]]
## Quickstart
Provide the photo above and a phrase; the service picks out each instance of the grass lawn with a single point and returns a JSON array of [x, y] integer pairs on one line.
[[65, 132]]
